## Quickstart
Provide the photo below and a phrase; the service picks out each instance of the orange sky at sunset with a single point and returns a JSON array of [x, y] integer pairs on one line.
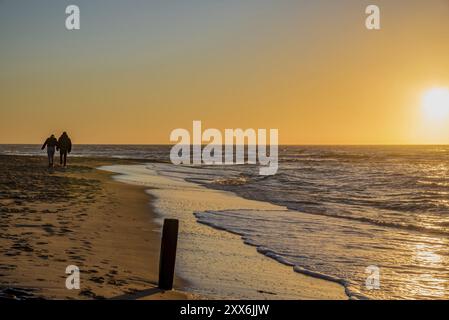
[[308, 68]]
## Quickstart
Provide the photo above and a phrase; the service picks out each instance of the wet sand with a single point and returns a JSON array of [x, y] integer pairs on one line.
[[217, 263], [53, 218]]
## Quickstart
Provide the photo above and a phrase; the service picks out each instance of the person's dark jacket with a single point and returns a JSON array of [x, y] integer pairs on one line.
[[50, 142], [64, 143]]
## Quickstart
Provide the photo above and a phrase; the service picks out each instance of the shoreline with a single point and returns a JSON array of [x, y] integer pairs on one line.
[[125, 243], [219, 263], [76, 216]]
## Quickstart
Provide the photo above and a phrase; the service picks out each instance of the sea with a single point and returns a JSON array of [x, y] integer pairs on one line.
[[374, 219]]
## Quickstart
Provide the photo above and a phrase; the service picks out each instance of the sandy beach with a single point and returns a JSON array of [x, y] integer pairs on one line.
[[75, 216]]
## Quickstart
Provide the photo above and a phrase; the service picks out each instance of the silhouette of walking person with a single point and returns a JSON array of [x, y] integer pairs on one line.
[[65, 146], [51, 143]]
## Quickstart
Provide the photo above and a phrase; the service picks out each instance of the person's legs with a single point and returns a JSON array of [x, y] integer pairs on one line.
[[51, 155], [65, 158]]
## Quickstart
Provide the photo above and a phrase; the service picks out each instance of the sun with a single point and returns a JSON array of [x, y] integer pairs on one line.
[[435, 103]]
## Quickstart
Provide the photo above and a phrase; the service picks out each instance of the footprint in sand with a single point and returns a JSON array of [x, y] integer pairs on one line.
[[49, 229], [77, 258], [97, 279], [91, 271], [117, 283], [22, 247], [90, 294], [13, 254], [64, 230]]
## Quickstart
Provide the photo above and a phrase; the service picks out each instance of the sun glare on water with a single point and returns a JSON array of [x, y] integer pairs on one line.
[[435, 103]]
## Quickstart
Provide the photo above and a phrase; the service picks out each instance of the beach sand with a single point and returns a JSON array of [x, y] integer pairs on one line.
[[76, 216]]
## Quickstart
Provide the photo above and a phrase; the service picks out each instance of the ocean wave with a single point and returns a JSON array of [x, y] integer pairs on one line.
[[350, 291], [431, 230]]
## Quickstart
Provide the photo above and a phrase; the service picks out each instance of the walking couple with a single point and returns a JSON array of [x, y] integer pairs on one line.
[[63, 144]]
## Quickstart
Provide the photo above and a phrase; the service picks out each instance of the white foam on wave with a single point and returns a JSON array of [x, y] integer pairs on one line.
[[221, 220]]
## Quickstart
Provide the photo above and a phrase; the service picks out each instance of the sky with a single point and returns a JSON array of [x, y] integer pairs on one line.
[[136, 70]]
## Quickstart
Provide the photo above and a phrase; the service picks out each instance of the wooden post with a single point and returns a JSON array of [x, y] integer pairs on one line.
[[168, 253]]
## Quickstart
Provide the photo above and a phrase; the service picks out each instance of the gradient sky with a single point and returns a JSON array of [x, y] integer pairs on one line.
[[138, 69]]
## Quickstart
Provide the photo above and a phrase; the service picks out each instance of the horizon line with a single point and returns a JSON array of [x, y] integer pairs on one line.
[[205, 144]]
